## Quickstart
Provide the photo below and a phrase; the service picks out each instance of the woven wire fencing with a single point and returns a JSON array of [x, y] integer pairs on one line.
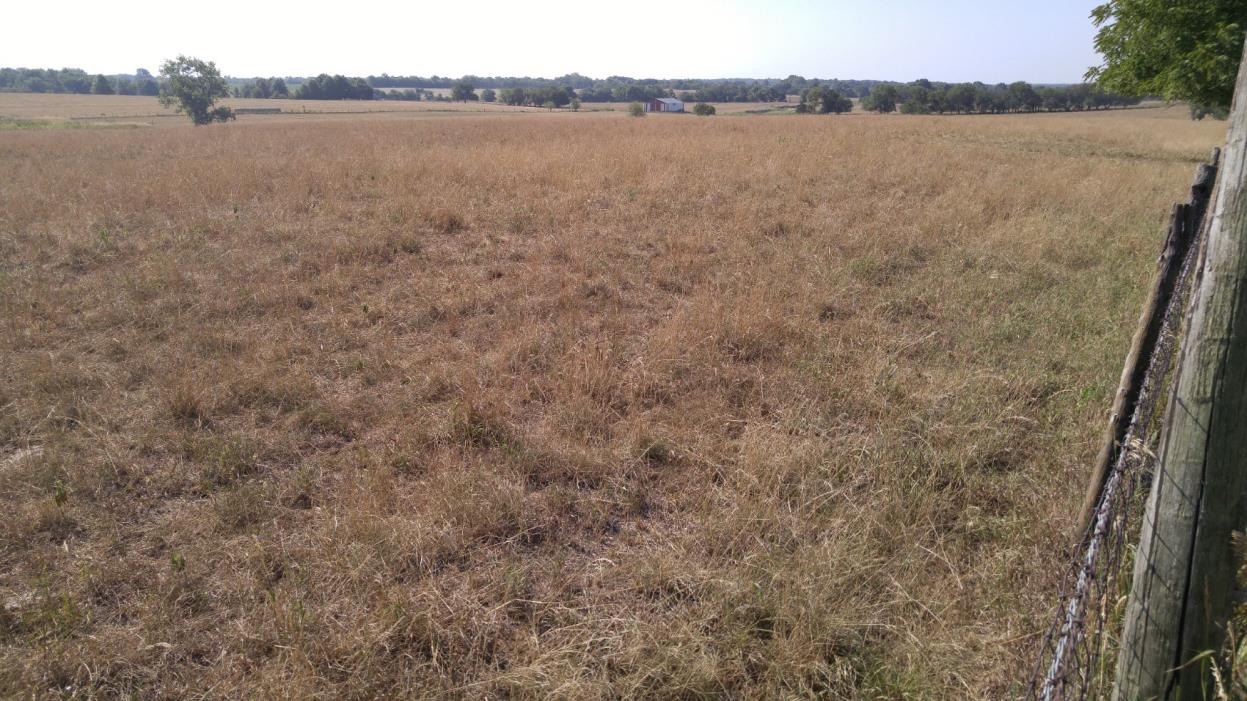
[[1078, 655]]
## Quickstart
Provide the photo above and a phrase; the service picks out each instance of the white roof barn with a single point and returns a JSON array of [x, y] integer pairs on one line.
[[664, 104]]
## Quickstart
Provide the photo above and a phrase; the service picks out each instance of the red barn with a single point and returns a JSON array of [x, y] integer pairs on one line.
[[664, 104]]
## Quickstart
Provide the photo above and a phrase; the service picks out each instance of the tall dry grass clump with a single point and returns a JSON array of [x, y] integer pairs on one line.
[[545, 406]]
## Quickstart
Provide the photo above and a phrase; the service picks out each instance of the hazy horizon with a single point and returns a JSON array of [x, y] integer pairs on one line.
[[957, 41]]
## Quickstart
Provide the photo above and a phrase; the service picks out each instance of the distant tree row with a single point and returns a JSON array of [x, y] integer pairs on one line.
[[925, 97], [75, 80], [817, 96], [539, 97], [622, 93], [407, 94], [823, 100], [740, 92], [323, 87], [334, 87], [262, 88], [571, 80], [463, 91], [617, 88]]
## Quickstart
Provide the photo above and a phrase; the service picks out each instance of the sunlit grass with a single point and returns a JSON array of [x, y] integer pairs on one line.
[[563, 405]]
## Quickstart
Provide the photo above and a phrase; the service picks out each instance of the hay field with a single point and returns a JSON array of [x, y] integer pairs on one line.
[[721, 108], [133, 110], [148, 110], [578, 407]]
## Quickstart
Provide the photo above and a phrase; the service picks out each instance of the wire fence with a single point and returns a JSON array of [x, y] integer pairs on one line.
[[1077, 657]]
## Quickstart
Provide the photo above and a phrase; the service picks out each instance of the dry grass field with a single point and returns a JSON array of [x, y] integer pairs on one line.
[[147, 111], [132, 111], [135, 111], [574, 406]]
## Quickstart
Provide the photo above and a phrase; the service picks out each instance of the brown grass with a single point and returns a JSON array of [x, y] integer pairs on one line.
[[132, 110], [148, 110], [573, 406]]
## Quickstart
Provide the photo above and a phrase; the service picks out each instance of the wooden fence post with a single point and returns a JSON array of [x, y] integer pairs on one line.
[[1184, 573], [1182, 232]]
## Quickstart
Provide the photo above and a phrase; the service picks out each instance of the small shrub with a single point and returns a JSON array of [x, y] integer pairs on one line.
[[241, 507], [446, 221], [325, 421], [221, 461], [51, 519], [57, 615], [474, 426], [655, 452], [636, 109], [409, 245], [702, 109], [187, 409]]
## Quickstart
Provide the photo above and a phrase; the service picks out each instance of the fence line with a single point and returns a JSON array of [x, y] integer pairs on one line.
[[1073, 661], [1184, 579]]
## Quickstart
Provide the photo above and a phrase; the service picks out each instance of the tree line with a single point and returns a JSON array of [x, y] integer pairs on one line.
[[262, 88], [334, 87], [817, 96], [76, 80], [326, 87], [618, 88], [926, 97], [540, 97]]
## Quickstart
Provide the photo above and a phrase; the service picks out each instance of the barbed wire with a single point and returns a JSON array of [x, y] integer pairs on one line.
[[1077, 657]]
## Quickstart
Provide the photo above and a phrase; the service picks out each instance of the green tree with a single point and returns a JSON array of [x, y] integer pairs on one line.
[[636, 109], [882, 99], [101, 86], [1024, 97], [701, 109], [960, 97], [514, 96], [488, 95], [1186, 50], [833, 102], [813, 99], [80, 84], [914, 106], [192, 87], [334, 87], [463, 91], [575, 104]]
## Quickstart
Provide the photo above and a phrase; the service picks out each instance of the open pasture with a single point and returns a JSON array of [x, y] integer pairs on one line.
[[131, 110], [59, 107], [574, 406]]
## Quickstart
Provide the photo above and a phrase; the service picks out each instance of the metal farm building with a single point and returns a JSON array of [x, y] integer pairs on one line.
[[664, 104]]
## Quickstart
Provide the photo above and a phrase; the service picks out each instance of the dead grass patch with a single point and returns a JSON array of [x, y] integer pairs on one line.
[[559, 405]]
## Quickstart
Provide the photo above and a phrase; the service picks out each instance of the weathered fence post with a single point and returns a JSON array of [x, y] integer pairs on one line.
[[1184, 574], [1182, 232]]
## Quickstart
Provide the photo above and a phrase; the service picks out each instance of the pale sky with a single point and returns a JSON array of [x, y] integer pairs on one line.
[[1041, 41]]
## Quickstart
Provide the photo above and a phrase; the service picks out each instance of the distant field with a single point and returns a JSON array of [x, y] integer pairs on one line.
[[572, 406], [444, 92], [147, 110], [720, 107], [107, 107]]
